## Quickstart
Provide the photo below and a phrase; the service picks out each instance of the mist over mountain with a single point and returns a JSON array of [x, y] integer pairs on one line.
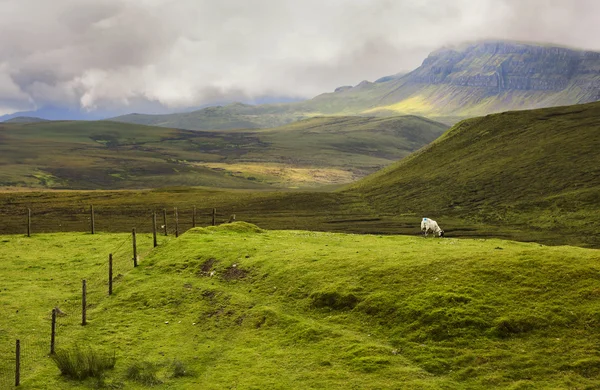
[[452, 83]]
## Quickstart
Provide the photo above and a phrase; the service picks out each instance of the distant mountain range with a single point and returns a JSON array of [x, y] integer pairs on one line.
[[452, 84]]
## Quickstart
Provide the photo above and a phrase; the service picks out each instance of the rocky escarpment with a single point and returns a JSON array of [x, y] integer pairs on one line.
[[510, 66]]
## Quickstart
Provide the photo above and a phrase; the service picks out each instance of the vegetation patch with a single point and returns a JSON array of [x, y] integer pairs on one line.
[[143, 372], [82, 363], [512, 326], [334, 300]]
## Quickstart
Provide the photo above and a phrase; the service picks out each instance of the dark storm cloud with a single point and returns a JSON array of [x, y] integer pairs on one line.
[[103, 54]]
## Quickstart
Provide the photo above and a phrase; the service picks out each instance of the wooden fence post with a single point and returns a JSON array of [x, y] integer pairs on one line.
[[28, 222], [154, 229], [18, 363], [176, 223], [165, 220], [110, 273], [83, 302], [214, 217], [53, 334], [92, 221], [194, 218], [134, 247]]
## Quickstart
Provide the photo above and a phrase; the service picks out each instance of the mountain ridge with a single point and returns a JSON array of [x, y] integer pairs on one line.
[[452, 83]]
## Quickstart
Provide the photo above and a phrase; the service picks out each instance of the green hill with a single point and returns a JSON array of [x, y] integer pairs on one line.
[[111, 155], [25, 119], [452, 84], [236, 306], [536, 169]]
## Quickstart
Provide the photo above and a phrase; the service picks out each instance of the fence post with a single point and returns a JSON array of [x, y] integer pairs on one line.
[[28, 222], [110, 273], [194, 218], [53, 334], [176, 223], [83, 303], [18, 363], [92, 221], [165, 220], [134, 247], [214, 216], [154, 229]]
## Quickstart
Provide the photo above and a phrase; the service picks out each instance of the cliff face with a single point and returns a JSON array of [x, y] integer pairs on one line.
[[507, 66]]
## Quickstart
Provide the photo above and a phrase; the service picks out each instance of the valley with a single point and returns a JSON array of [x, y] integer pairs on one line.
[[110, 155]]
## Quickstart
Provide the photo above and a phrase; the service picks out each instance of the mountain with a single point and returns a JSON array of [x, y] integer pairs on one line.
[[453, 83], [537, 169], [232, 116], [112, 155], [25, 119], [488, 77]]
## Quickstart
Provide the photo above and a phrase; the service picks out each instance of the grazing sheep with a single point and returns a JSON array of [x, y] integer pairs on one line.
[[430, 225]]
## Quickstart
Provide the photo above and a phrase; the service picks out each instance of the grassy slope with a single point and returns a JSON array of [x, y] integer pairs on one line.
[[90, 155], [320, 310], [537, 169]]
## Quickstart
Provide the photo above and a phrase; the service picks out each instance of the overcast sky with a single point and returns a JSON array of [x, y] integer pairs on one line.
[[142, 55]]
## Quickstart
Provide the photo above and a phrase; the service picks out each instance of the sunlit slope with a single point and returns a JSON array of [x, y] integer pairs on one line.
[[111, 155], [538, 168], [272, 309]]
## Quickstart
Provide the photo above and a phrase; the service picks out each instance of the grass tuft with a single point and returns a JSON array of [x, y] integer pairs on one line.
[[143, 372], [77, 363], [179, 369]]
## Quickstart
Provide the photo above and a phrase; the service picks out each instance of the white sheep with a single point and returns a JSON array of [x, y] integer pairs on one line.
[[430, 225]]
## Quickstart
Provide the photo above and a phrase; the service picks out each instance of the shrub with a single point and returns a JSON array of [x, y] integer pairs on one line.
[[77, 363], [143, 372]]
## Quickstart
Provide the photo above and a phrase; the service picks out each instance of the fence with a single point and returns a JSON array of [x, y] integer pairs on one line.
[[24, 350]]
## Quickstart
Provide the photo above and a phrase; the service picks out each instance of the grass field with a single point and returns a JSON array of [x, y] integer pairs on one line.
[[308, 310], [110, 155], [347, 212]]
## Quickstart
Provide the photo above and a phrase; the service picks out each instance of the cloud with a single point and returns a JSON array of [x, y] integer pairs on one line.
[[104, 54]]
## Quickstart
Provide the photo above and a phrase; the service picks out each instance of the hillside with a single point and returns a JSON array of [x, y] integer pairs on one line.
[[25, 119], [452, 84], [537, 169], [306, 310], [111, 155]]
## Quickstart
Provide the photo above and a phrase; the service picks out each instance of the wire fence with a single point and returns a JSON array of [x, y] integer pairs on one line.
[[35, 336], [33, 328], [108, 218]]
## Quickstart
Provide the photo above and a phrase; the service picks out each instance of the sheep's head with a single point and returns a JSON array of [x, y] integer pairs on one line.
[[441, 233]]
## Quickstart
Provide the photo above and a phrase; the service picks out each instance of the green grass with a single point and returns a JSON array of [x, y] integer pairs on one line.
[[298, 309], [111, 155], [533, 170]]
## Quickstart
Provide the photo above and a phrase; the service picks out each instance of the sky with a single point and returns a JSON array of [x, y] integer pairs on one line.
[[95, 58]]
